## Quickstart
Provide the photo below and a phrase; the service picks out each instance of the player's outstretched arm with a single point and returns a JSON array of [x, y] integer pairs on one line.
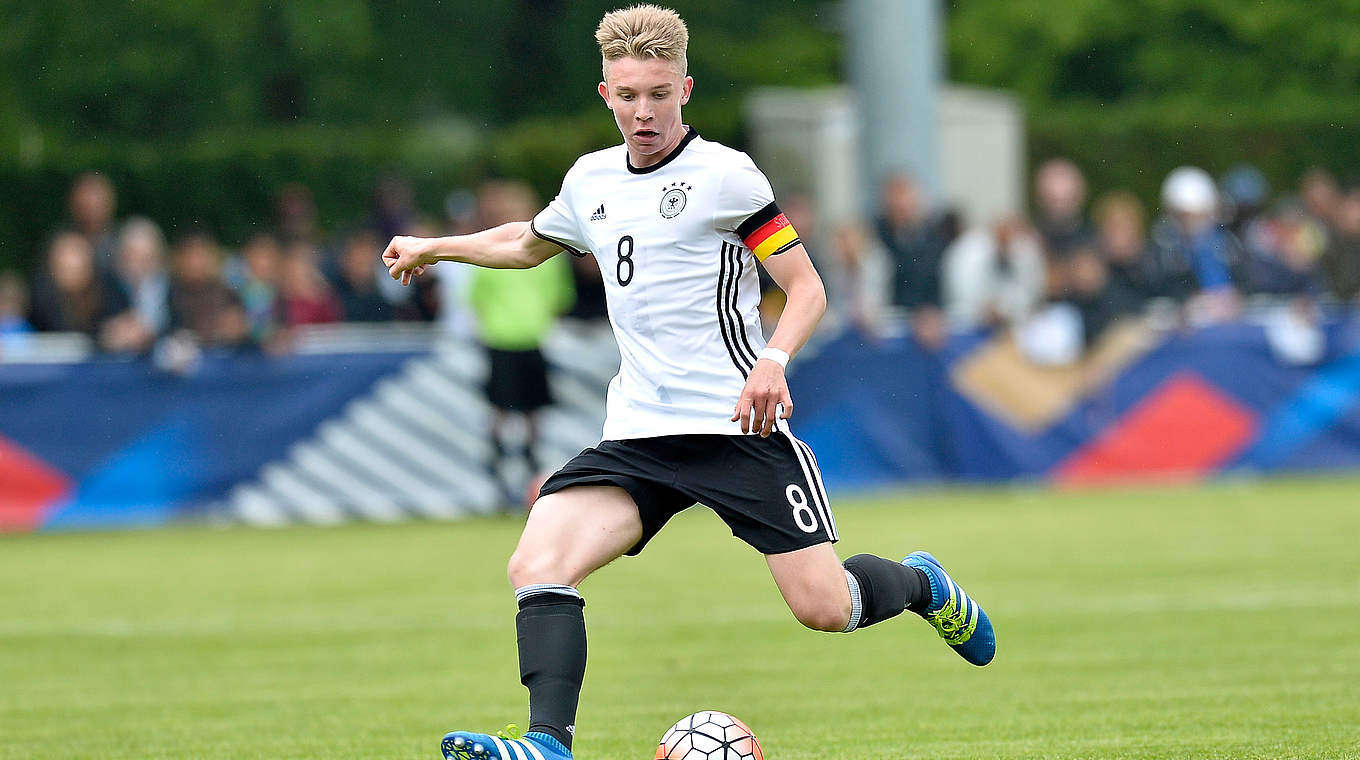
[[766, 388], [509, 246]]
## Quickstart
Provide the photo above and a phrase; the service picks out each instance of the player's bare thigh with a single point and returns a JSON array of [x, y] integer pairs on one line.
[[813, 584], [574, 532]]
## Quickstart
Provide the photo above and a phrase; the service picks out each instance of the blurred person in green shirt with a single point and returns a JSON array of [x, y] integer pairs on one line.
[[515, 311]]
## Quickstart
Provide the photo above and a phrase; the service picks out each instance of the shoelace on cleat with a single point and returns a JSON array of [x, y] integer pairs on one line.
[[511, 732], [952, 623]]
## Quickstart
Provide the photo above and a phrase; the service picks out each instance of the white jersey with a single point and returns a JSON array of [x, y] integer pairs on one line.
[[674, 244]]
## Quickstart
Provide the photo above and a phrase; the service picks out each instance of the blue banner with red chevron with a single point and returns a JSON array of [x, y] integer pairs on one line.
[[321, 437], [385, 435], [1143, 404], [119, 443]]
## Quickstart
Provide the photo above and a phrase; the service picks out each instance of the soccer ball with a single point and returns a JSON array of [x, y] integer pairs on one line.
[[709, 735]]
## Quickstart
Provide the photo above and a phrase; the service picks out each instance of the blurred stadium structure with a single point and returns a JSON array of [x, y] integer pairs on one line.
[[976, 334], [812, 142]]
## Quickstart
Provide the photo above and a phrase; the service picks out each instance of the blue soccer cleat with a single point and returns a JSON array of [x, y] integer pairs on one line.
[[505, 745], [960, 620]]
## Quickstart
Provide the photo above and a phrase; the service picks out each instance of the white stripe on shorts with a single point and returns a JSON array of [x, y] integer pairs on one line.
[[821, 487], [809, 466]]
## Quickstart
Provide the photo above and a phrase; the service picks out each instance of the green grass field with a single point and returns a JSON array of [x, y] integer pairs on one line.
[[1217, 622]]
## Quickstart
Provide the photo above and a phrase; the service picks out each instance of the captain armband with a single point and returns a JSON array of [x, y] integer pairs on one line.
[[768, 232]]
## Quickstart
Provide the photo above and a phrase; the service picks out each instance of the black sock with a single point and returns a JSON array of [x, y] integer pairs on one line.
[[551, 630], [886, 588]]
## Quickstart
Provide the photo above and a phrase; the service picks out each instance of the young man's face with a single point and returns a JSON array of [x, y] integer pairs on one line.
[[645, 96]]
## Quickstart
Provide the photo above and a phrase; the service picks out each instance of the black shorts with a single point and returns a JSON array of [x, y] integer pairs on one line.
[[518, 380], [767, 490]]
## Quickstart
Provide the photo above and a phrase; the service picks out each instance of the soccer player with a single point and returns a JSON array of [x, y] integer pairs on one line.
[[698, 411]]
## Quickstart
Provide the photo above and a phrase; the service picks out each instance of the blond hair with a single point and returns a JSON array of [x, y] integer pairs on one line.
[[644, 31]]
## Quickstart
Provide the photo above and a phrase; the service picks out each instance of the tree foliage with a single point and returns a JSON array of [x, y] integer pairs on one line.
[[172, 68], [1132, 88], [1187, 55], [201, 109]]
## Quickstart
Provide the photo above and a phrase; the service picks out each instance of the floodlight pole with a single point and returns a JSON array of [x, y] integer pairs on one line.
[[895, 70]]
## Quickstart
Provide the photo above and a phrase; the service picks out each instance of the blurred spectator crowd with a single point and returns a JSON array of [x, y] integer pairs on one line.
[[1207, 254], [133, 289], [1064, 275]]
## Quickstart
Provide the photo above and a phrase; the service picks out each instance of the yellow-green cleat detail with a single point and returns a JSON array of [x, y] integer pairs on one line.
[[508, 744], [958, 619]]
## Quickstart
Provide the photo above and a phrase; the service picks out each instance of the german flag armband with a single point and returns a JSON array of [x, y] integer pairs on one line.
[[767, 232]]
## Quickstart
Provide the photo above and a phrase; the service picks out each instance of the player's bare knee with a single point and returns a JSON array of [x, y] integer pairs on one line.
[[515, 569], [823, 615], [825, 619], [526, 567]]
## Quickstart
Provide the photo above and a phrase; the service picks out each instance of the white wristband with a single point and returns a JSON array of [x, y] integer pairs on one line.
[[775, 355]]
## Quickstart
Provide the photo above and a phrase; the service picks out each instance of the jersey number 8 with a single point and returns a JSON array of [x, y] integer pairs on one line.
[[625, 257]]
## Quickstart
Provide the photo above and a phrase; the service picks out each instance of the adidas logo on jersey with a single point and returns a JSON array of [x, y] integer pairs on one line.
[[598, 216]]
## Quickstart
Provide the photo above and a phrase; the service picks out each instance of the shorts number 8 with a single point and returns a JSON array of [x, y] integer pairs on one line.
[[802, 512]]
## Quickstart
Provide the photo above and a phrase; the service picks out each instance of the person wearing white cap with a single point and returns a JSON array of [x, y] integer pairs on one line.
[[1200, 260]]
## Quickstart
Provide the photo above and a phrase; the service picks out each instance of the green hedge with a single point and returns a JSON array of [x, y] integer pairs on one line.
[[228, 181], [1135, 147]]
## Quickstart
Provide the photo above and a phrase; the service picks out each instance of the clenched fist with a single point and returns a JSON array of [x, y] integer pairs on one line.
[[407, 257]]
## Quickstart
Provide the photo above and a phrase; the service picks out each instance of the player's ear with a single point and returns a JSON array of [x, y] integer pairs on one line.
[[685, 91], [604, 93]]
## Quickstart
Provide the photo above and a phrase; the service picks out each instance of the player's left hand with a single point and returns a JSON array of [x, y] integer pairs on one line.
[[764, 399]]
